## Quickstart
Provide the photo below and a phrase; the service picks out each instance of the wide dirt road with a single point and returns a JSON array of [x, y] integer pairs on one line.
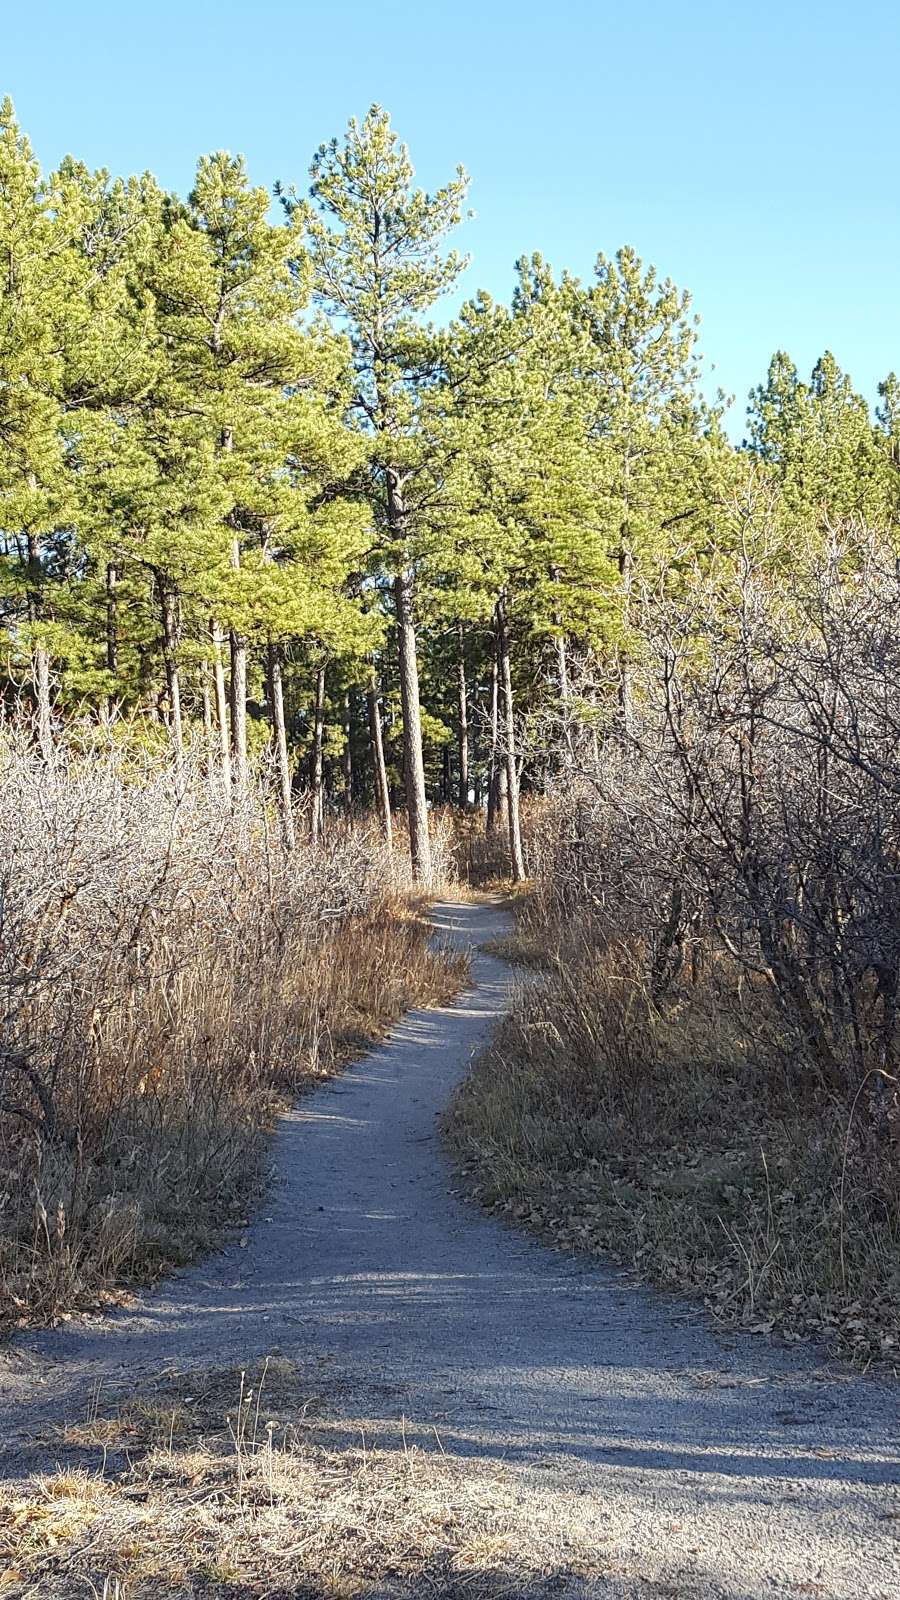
[[702, 1465]]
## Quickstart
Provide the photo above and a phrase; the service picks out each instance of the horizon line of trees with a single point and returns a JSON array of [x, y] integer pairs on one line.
[[250, 493]]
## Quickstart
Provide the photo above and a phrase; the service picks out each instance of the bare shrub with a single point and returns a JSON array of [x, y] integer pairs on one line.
[[719, 889], [167, 969]]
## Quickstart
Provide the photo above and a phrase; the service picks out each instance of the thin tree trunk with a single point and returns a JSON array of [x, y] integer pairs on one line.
[[492, 756], [40, 653], [347, 754], [238, 699], [446, 781], [238, 646], [215, 633], [501, 796], [279, 730], [44, 711], [112, 631], [463, 727], [562, 668], [562, 675], [413, 762], [168, 599], [512, 776], [238, 692], [382, 790], [207, 712], [317, 815], [626, 686]]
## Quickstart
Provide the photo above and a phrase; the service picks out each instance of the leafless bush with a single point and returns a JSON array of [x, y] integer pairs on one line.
[[706, 1078], [753, 810], [166, 968]]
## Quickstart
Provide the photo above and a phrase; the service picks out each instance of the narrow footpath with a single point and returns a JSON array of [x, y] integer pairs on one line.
[[707, 1465]]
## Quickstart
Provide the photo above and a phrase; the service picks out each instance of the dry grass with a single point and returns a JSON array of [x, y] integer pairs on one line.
[[223, 1485], [169, 975], [676, 1141]]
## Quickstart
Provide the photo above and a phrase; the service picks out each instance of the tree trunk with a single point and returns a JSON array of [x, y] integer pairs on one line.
[[463, 727], [238, 693], [501, 795], [207, 713], [112, 631], [347, 755], [382, 791], [413, 762], [512, 776], [215, 633], [562, 675], [446, 780], [43, 709], [279, 730], [168, 599], [626, 687], [562, 668], [40, 654], [492, 755], [317, 815], [238, 699]]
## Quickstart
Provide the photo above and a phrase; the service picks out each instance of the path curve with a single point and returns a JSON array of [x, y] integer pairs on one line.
[[723, 1467]]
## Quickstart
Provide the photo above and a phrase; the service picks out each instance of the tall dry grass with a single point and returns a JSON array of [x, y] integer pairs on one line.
[[168, 973]]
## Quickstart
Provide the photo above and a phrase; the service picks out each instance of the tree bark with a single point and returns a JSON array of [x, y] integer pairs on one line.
[[207, 713], [382, 790], [463, 727], [44, 711], [413, 762], [512, 776], [112, 631], [347, 754], [168, 599], [626, 686], [492, 756], [238, 699], [215, 633], [40, 654], [562, 675], [279, 730], [562, 667], [317, 814], [238, 692]]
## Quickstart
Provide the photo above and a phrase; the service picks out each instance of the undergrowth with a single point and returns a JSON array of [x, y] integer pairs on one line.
[[170, 975], [679, 1141]]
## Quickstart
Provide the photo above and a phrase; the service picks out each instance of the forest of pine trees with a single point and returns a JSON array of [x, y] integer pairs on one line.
[[257, 504]]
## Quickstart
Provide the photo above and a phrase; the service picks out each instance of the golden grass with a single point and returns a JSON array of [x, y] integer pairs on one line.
[[223, 1484]]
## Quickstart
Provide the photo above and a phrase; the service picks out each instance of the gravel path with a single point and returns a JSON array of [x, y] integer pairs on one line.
[[704, 1466]]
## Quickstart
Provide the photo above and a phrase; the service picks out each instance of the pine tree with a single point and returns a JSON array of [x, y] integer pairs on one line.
[[379, 262], [817, 442], [35, 489], [268, 399]]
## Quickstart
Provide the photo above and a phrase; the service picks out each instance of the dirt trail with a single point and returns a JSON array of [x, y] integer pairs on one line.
[[706, 1466]]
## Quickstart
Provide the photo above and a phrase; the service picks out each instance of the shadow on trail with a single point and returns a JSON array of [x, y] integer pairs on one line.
[[390, 1291]]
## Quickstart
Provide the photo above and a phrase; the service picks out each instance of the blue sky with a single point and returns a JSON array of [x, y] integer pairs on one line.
[[751, 153]]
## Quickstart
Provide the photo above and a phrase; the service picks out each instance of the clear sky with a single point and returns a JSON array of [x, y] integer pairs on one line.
[[750, 152]]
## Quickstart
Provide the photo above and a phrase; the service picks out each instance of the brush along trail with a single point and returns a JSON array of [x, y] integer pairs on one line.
[[675, 1461]]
